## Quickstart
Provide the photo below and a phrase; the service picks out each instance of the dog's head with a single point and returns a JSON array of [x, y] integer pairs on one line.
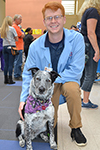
[[42, 83]]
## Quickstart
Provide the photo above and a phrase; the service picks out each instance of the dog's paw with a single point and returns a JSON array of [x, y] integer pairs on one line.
[[44, 137], [53, 145], [29, 148], [22, 143]]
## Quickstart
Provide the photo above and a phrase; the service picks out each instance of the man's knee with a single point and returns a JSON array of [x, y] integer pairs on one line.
[[71, 89]]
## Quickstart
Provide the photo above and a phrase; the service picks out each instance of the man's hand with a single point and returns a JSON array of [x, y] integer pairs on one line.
[[21, 105], [22, 36]]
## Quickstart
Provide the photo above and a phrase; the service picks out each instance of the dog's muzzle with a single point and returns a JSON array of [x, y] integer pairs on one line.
[[41, 90]]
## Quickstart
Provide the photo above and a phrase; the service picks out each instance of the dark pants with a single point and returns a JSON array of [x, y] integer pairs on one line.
[[89, 73], [18, 64], [2, 61], [9, 60]]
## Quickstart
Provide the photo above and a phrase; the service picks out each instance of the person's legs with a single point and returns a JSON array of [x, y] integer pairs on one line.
[[18, 64], [6, 59], [72, 93], [15, 65], [89, 77], [11, 63], [55, 99], [86, 103], [86, 96], [6, 66]]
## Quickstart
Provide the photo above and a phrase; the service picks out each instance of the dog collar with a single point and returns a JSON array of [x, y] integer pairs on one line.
[[34, 105]]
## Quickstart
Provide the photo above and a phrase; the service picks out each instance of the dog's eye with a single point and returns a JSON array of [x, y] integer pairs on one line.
[[48, 80], [38, 79]]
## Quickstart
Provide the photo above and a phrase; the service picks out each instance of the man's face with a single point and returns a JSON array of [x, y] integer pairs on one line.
[[54, 21], [19, 20]]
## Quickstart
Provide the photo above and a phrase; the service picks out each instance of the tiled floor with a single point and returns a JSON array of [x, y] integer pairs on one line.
[[90, 121]]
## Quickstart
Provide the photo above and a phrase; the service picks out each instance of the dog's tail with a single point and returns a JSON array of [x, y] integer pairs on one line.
[[18, 130]]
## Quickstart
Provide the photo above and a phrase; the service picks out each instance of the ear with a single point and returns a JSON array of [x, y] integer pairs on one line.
[[64, 19], [44, 22], [33, 70], [54, 75]]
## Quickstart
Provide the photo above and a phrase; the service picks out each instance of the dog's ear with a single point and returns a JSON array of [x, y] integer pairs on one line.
[[54, 75], [33, 70]]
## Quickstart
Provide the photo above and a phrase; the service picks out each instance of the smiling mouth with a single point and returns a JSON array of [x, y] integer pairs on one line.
[[54, 26]]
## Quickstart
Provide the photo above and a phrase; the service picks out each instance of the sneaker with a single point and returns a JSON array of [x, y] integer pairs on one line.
[[18, 78], [78, 137], [89, 105]]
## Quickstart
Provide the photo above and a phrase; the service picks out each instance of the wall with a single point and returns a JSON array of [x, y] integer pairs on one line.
[[73, 19], [32, 15], [80, 5], [2, 11], [30, 11]]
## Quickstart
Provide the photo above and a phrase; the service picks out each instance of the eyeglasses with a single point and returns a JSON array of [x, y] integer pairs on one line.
[[56, 17]]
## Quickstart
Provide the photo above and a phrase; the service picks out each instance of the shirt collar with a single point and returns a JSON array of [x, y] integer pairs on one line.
[[48, 43]]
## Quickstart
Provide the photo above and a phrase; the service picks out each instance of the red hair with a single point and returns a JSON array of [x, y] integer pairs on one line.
[[53, 6]]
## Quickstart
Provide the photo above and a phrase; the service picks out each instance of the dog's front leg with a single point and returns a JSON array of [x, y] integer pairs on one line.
[[53, 144], [28, 136]]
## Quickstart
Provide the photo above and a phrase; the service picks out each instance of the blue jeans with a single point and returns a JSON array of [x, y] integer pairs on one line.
[[89, 73], [8, 60], [18, 64], [2, 61]]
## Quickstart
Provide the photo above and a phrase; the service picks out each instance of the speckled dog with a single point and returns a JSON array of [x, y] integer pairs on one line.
[[38, 110]]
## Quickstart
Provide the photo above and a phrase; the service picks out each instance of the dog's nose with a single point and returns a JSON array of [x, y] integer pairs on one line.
[[41, 89]]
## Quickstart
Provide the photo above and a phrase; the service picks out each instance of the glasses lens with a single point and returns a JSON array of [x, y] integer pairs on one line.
[[48, 18], [57, 17]]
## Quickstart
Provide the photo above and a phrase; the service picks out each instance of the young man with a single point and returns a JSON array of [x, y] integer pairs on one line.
[[20, 46], [64, 51]]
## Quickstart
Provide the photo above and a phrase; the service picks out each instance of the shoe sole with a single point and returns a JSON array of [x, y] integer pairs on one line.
[[17, 79], [12, 83], [90, 108], [81, 144], [6, 83]]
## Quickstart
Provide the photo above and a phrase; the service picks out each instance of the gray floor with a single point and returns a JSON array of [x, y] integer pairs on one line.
[[9, 101]]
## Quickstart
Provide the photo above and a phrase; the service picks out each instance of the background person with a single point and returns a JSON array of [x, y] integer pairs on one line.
[[28, 39], [78, 26], [73, 27], [9, 35], [90, 28], [20, 46], [44, 31], [63, 51]]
